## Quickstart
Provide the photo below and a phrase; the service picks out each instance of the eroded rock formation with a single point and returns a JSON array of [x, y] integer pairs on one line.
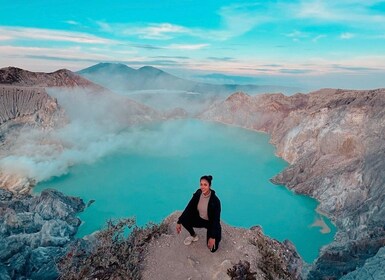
[[35, 232], [27, 105], [334, 141]]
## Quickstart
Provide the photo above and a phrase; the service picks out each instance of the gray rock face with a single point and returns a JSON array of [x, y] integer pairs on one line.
[[34, 233], [374, 268], [334, 141]]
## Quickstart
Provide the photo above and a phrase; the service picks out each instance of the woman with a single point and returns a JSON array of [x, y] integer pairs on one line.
[[203, 211]]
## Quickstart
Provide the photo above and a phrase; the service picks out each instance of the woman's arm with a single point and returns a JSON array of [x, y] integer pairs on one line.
[[191, 206], [214, 230]]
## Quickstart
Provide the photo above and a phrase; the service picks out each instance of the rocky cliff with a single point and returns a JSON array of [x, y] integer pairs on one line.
[[27, 105], [35, 232], [334, 141]]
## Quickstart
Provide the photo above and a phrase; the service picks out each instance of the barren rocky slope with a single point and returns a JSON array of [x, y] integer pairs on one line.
[[60, 78], [334, 141]]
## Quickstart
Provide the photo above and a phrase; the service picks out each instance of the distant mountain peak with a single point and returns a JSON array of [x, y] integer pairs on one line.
[[106, 66], [151, 69]]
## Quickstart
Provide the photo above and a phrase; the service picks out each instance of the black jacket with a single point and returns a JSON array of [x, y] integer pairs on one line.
[[213, 212]]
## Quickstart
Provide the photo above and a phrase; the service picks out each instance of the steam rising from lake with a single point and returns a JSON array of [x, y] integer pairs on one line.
[[98, 125]]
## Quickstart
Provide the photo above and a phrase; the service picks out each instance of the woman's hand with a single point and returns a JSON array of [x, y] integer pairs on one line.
[[178, 228], [211, 243]]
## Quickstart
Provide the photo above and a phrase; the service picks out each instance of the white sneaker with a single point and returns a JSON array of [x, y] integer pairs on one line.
[[190, 239]]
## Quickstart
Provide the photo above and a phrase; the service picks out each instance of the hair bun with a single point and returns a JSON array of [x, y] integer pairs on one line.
[[210, 177]]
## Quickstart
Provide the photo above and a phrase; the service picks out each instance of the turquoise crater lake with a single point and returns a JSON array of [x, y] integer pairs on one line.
[[160, 169]]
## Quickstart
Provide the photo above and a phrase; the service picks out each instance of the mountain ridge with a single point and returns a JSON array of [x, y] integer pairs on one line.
[[59, 78], [149, 77]]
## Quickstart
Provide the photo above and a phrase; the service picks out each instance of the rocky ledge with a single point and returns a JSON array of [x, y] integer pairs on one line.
[[35, 232], [334, 141], [265, 258]]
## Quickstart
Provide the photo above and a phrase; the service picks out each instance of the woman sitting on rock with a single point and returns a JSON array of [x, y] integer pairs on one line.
[[203, 211]]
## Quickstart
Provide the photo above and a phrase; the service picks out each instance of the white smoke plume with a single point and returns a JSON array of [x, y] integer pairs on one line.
[[98, 125]]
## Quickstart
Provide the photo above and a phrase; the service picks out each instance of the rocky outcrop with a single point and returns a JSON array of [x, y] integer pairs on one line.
[[169, 258], [34, 233], [374, 268], [30, 105], [60, 78], [334, 142]]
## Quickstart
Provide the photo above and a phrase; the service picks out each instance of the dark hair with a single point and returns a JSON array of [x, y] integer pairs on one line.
[[208, 178]]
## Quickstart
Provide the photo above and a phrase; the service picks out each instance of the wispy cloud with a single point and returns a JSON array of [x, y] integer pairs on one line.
[[5, 37], [235, 20], [225, 58], [187, 46], [153, 31], [317, 38], [22, 33], [297, 35], [239, 19], [58, 54], [346, 12], [347, 35], [72, 22], [354, 68], [147, 46], [295, 71]]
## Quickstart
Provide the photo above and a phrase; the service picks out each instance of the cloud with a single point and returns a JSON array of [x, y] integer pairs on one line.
[[147, 46], [295, 71], [172, 57], [225, 58], [5, 38], [346, 12], [154, 31], [235, 20], [296, 35], [238, 19], [38, 34], [354, 68], [72, 22], [187, 46], [58, 58], [347, 35], [73, 53], [317, 38]]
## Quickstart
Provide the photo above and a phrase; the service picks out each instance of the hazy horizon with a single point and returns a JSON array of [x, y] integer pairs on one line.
[[307, 44]]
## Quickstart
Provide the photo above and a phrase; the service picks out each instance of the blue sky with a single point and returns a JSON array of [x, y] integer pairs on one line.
[[299, 43]]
